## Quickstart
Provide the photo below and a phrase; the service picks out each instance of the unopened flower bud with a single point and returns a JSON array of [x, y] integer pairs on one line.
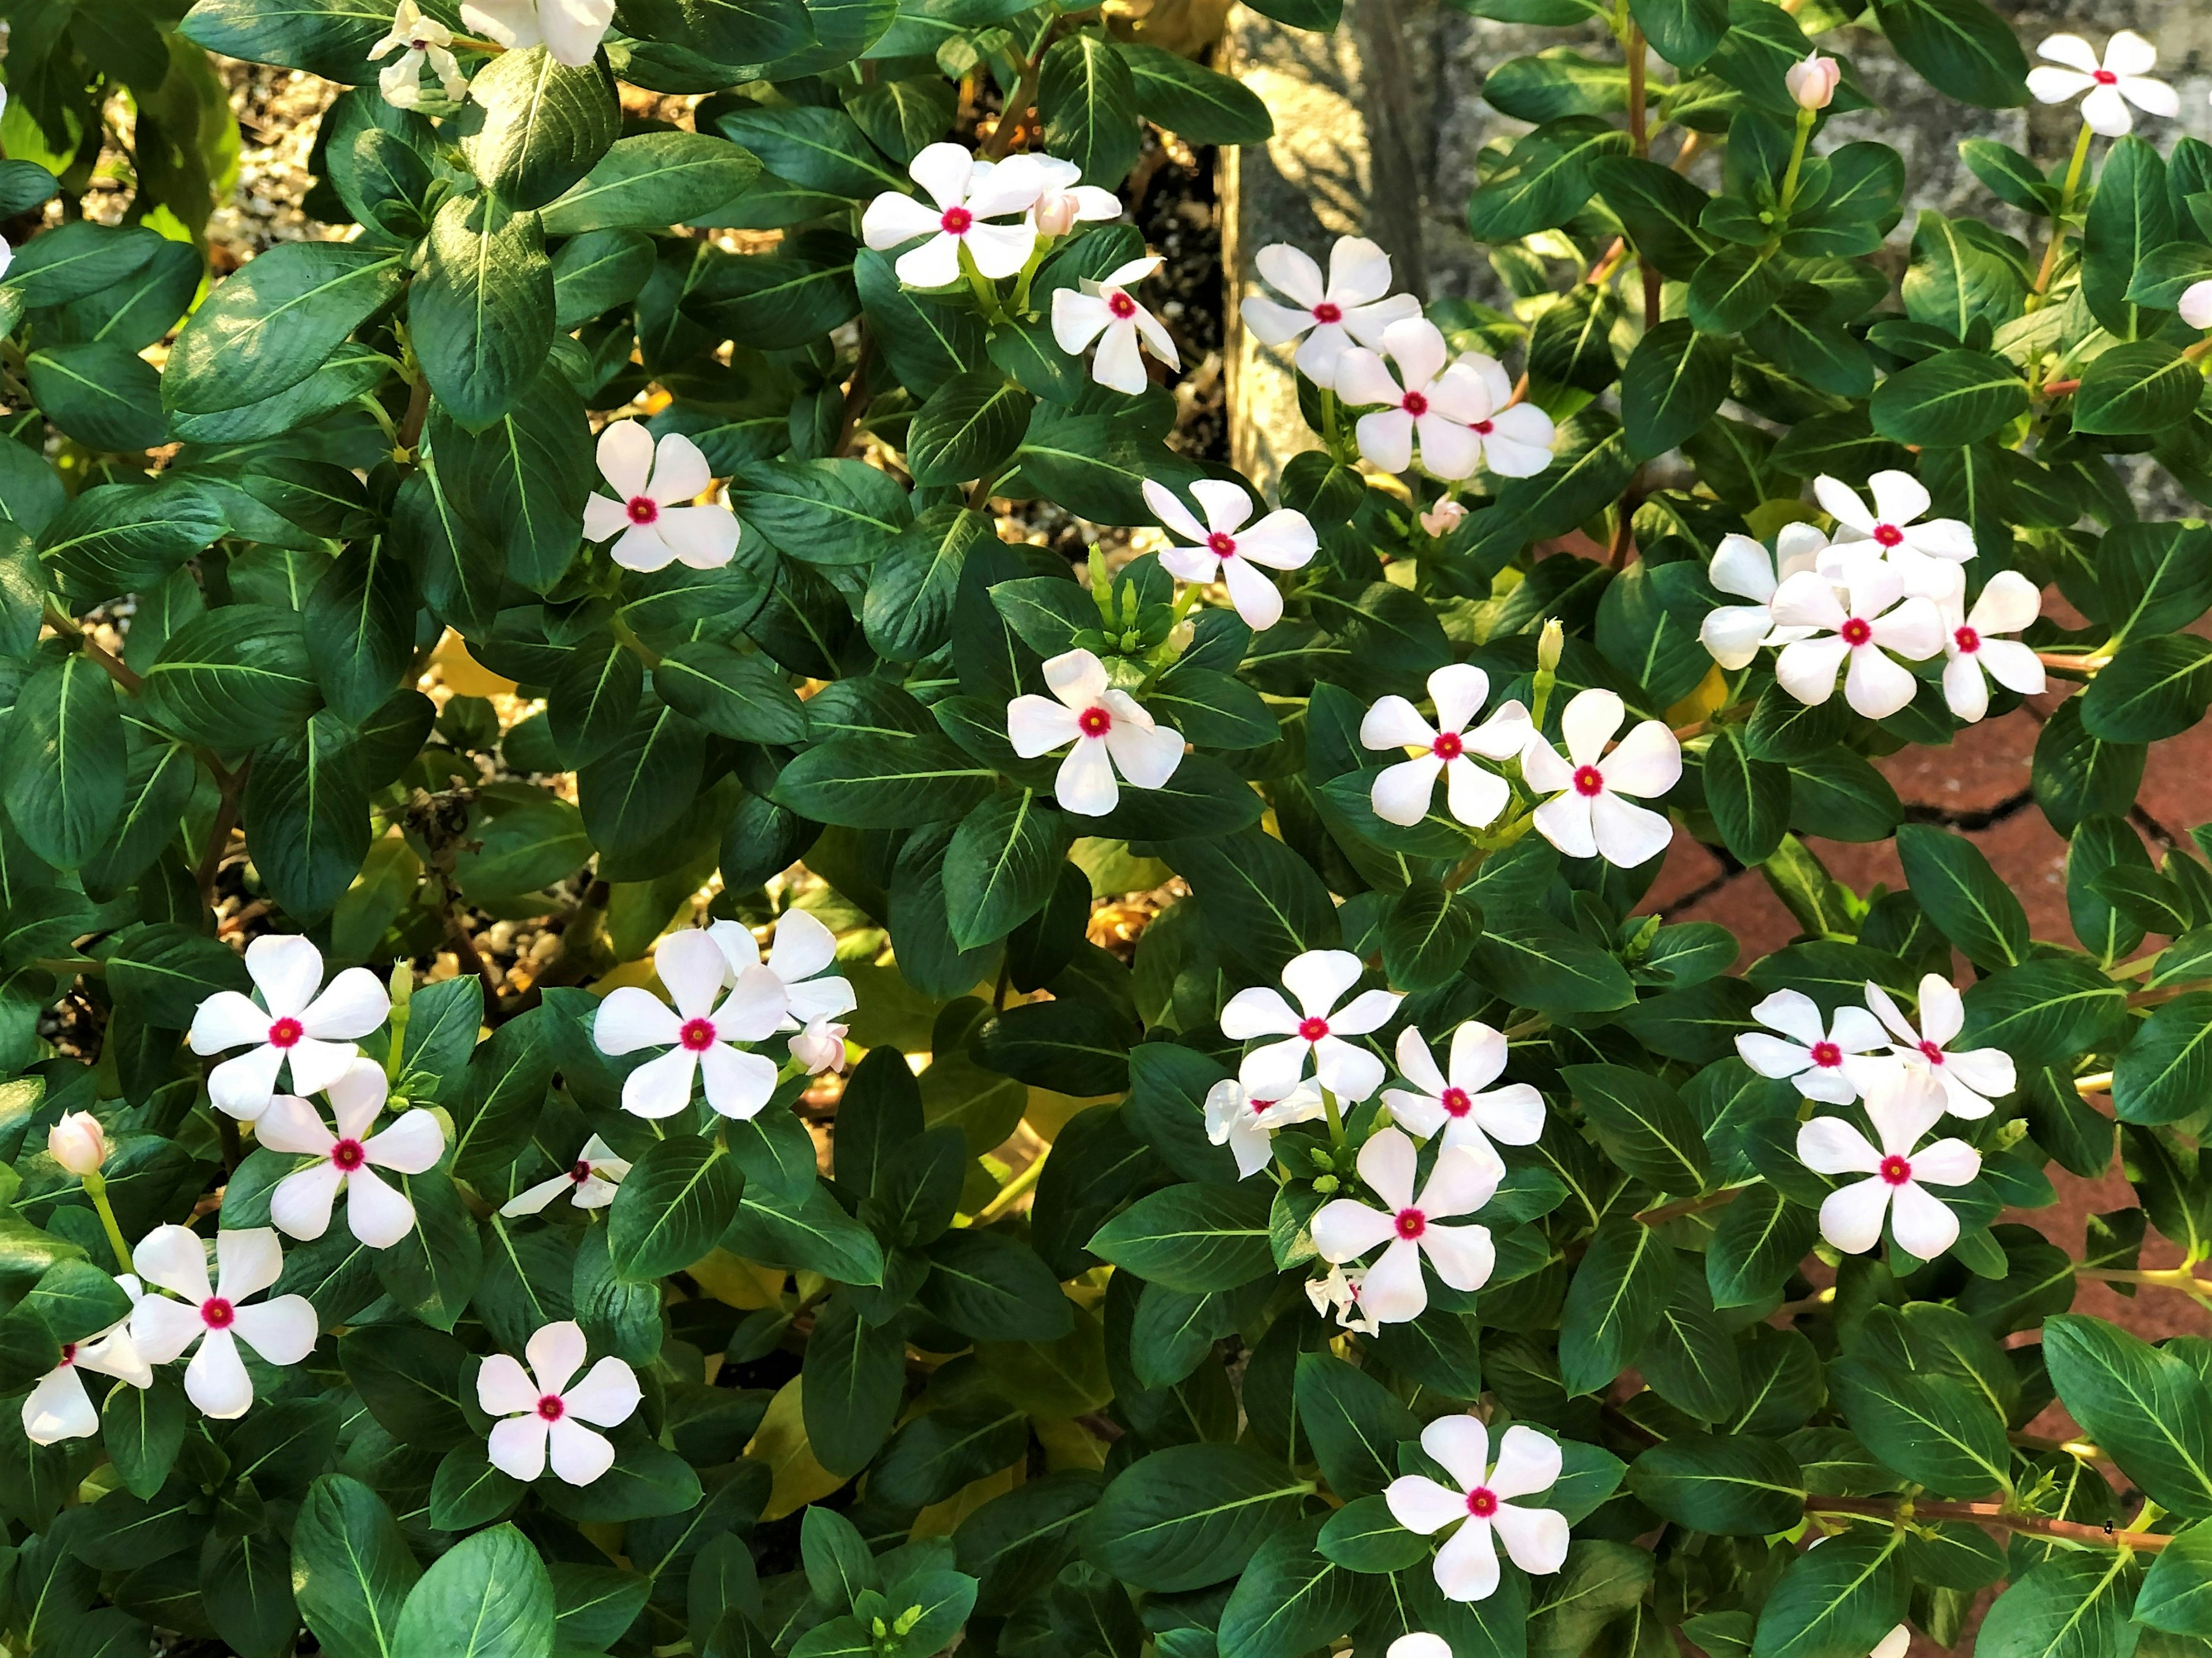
[[820, 1046], [1441, 520], [1549, 644], [78, 1144], [1056, 212], [2196, 306], [1812, 83]]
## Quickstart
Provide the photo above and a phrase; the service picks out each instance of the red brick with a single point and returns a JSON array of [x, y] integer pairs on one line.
[[1981, 768]]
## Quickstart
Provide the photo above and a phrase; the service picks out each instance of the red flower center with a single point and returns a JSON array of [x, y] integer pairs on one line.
[[1094, 722], [1589, 780], [1966, 640], [697, 1035], [1931, 1053], [2105, 77], [217, 1314], [1482, 1503], [69, 1354], [1329, 311], [286, 1033], [551, 1407], [581, 1172], [1415, 403], [1120, 305], [1481, 429], [1896, 1170], [1259, 1106], [1412, 1223], [348, 1155], [1856, 631], [1313, 1030], [1448, 745], [1221, 544], [957, 221], [1456, 1103], [643, 509], [1888, 534], [1827, 1054]]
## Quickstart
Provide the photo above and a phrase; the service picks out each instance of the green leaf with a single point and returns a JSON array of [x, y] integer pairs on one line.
[[306, 815], [968, 428], [2164, 1073], [233, 679], [883, 781], [351, 1569], [1960, 47], [482, 311], [1615, 1301], [2129, 218], [1189, 1515], [671, 1206], [2071, 1605], [2148, 1409], [1672, 384], [2046, 1011], [986, 1285], [1963, 895], [1355, 1424], [1642, 1124], [726, 31], [854, 1373], [2153, 688], [1428, 936], [2176, 1590], [1088, 99], [165, 971], [1546, 179], [1193, 1238], [1534, 961], [1834, 1601], [1200, 106], [1949, 399], [543, 127], [2145, 386], [1290, 1598], [1749, 798], [650, 180], [1736, 1484], [101, 392], [275, 321], [745, 696], [64, 758], [1933, 1429], [490, 1596], [116, 538]]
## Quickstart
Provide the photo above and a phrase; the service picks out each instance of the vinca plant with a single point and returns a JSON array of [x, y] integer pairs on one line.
[[1138, 1108]]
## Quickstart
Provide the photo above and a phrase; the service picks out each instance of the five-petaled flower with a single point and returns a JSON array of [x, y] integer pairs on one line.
[[589, 1182], [348, 1160], [653, 486], [1732, 634], [315, 1033], [1591, 813], [1402, 793], [418, 40], [2121, 77], [803, 948], [1480, 1499], [1971, 1078], [282, 1331], [569, 30], [546, 1406], [1313, 1031], [1898, 1171], [1325, 317], [1976, 656], [697, 1031], [1246, 1122], [1107, 311], [1409, 1227], [1926, 553], [1459, 1100], [1464, 415], [1815, 1055], [965, 194], [1867, 626], [1110, 731], [60, 1407], [1226, 549]]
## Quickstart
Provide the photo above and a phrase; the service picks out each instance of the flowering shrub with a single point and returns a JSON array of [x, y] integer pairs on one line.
[[822, 1243]]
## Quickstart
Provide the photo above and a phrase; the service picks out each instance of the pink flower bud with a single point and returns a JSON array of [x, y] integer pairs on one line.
[[1056, 212], [77, 1143], [1812, 83], [820, 1046], [1441, 520]]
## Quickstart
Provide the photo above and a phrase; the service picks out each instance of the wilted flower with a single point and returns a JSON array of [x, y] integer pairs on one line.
[[1337, 1296], [1107, 311], [1314, 1030], [315, 1033], [1479, 1499], [78, 1144], [1402, 793], [1409, 1227], [248, 1261], [1971, 1078], [1325, 317], [967, 193], [348, 1160], [1459, 1101], [1109, 730], [1814, 1055], [1460, 413], [569, 30], [591, 1181], [418, 40], [1440, 520], [1224, 547], [654, 485], [698, 1031], [1733, 633], [2121, 78], [2006, 605], [820, 1046], [546, 1407], [1898, 1171], [59, 1408], [1868, 628], [1590, 814], [1246, 1122], [1812, 84]]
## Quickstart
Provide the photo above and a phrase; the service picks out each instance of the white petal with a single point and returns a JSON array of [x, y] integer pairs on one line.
[[248, 1259], [161, 1329], [282, 1331], [609, 1393], [943, 169], [300, 1204], [357, 1098], [630, 1018], [1841, 503], [242, 1086], [1386, 438], [173, 1258], [355, 1005], [379, 1214], [1807, 669], [1273, 324], [2013, 665], [1363, 378], [737, 1085], [1076, 319], [504, 1387], [691, 967], [227, 1019], [661, 1087], [701, 537], [1387, 1163], [1645, 764], [1460, 1444], [1319, 978], [1349, 1072], [1344, 1230], [2106, 112], [1417, 1065], [1258, 602], [1259, 1011], [1851, 1216], [1170, 511], [1830, 1145], [412, 1145], [1084, 783], [1535, 1538], [935, 264], [215, 1381], [1463, 1256], [1741, 566], [59, 1408], [531, 1199], [316, 1064], [555, 1353], [1589, 723], [625, 456], [642, 547], [517, 1446], [292, 1124], [285, 969], [2128, 54], [1923, 1225], [1394, 1291], [1000, 250], [1467, 1565], [1874, 685], [1037, 725], [578, 1455], [1118, 364], [1147, 757], [1394, 723], [1421, 1504], [1947, 1163], [1528, 1462], [1564, 820]]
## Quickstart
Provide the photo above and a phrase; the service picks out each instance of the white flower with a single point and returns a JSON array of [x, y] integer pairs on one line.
[[2196, 303], [652, 486], [316, 1033], [1314, 1030], [1590, 814], [348, 1160], [1409, 1227], [1401, 792], [1107, 311], [1337, 1296], [1109, 731], [60, 1407], [1325, 317], [590, 1181], [1464, 415], [1877, 625], [2006, 604], [1733, 633], [1816, 1056], [820, 1046], [2112, 84], [1223, 548], [570, 30], [1246, 1122], [78, 1143], [540, 1406], [1480, 1500], [248, 1261], [968, 192], [1459, 1101], [1899, 1171], [1971, 1078], [418, 40], [802, 949], [1925, 555], [1063, 200], [697, 1031]]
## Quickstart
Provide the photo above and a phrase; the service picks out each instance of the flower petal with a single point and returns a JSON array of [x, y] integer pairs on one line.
[[285, 969], [173, 1258], [630, 1018], [691, 967], [1922, 1223], [1387, 1164], [292, 1124], [411, 1145], [517, 1446], [1528, 1462], [215, 1381], [1831, 1146], [299, 1206], [1084, 783], [1259, 1010], [1423, 1505], [1345, 1229], [1461, 1444], [59, 1408], [504, 1387], [661, 1087], [1464, 1256], [1851, 1216], [282, 1331], [609, 1393], [625, 456], [161, 1329], [1394, 1291], [1535, 1538], [227, 1019], [378, 1214], [1467, 1566], [555, 1354]]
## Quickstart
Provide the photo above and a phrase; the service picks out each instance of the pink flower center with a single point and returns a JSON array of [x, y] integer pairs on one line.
[[1481, 429], [217, 1314], [1888, 534], [69, 1354], [1966, 640], [1827, 1054], [1221, 544], [1482, 1503], [1588, 781], [551, 1407], [643, 509], [1448, 745], [1328, 312], [957, 221], [1120, 305], [1259, 1106], [1856, 631], [1415, 404], [1896, 1170], [2105, 77], [697, 1035], [286, 1033], [581, 1172], [1094, 722], [1932, 1054], [348, 1155], [1412, 1223], [1313, 1030], [1456, 1103]]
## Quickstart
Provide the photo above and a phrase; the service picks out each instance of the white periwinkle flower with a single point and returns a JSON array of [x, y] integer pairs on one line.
[[1474, 797], [589, 1182], [1480, 1500], [315, 1033], [967, 193], [1337, 1296], [1110, 731], [1591, 813], [1223, 548], [418, 40], [1976, 656], [546, 1406], [1458, 1101], [1897, 1171], [803, 948], [1314, 1030], [1409, 1227], [1325, 317], [78, 1143], [1971, 1078], [1869, 627], [1463, 415], [1812, 1052], [1733, 633], [60, 1407], [347, 1161], [654, 485], [1926, 554], [1246, 1122], [248, 1261], [698, 1031], [1063, 200], [1105, 310], [2121, 77], [569, 30]]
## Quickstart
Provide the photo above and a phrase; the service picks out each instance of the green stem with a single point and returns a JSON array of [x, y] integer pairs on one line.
[[1805, 119], [1335, 1118], [2067, 192], [95, 1188]]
